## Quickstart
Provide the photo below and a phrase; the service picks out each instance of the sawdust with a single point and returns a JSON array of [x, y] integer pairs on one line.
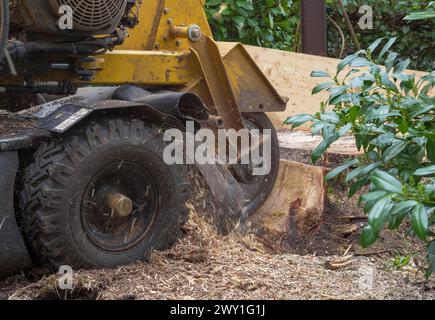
[[205, 265]]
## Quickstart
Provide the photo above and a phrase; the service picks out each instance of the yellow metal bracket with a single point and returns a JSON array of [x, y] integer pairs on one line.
[[162, 51], [208, 57]]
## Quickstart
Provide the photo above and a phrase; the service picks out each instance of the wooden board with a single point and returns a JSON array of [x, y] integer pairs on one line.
[[290, 74], [301, 140]]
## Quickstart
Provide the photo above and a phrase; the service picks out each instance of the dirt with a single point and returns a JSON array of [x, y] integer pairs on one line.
[[330, 160], [207, 265], [15, 102], [344, 219], [11, 125]]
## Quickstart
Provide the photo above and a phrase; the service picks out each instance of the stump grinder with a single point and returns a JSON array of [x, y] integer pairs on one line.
[[87, 89]]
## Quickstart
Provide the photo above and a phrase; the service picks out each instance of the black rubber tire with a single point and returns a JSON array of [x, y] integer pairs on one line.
[[54, 184], [265, 185]]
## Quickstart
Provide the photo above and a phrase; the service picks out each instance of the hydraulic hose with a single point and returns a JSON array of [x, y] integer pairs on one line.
[[20, 50], [4, 25]]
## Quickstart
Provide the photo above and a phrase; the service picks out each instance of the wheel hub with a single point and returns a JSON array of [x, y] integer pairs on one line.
[[119, 206]]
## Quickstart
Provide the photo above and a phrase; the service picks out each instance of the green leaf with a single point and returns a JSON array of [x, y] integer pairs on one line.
[[399, 212], [420, 111], [299, 120], [321, 87], [319, 126], [323, 146], [402, 66], [344, 130], [360, 62], [380, 112], [427, 171], [379, 213], [420, 221], [328, 130], [387, 47], [331, 117], [353, 174], [373, 196], [240, 24], [326, 143], [336, 92], [354, 188], [340, 169], [374, 45], [383, 140], [368, 237], [387, 182], [387, 82], [395, 220], [362, 171], [403, 207], [395, 149], [320, 74], [421, 15], [353, 113], [345, 62], [389, 62]]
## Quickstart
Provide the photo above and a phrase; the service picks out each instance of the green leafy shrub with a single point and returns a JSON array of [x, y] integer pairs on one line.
[[265, 23], [392, 118]]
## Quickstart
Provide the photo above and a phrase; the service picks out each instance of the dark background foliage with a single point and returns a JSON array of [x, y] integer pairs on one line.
[[416, 39], [275, 24], [266, 23]]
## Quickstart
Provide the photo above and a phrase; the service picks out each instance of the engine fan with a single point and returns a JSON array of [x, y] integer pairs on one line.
[[89, 17]]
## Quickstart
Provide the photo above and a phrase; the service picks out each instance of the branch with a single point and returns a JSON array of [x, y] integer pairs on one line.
[[349, 25]]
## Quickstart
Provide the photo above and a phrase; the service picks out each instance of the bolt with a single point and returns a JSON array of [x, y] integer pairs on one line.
[[195, 33], [120, 205]]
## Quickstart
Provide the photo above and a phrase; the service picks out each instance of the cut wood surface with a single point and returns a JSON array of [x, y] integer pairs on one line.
[[293, 205], [290, 74]]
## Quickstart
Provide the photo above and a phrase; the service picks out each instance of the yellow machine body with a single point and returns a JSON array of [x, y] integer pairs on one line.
[[158, 52]]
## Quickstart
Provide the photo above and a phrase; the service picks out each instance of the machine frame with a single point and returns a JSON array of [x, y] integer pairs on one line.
[[172, 54], [160, 52]]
